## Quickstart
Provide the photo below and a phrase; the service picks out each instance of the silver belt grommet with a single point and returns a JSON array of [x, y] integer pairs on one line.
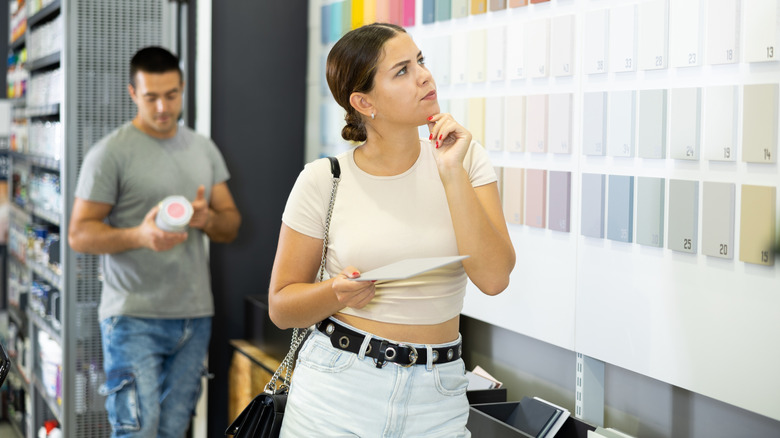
[[343, 342], [435, 355], [390, 353], [368, 350], [450, 353], [460, 350], [330, 328]]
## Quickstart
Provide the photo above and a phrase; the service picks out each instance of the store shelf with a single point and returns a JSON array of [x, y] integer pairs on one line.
[[47, 163], [17, 43], [44, 14], [52, 404], [52, 217], [17, 316], [50, 110], [44, 62], [45, 325], [46, 273]]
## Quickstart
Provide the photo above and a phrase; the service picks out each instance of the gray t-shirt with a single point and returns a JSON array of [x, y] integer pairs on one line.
[[133, 172]]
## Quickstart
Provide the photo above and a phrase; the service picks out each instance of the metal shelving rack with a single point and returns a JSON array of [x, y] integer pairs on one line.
[[98, 39]]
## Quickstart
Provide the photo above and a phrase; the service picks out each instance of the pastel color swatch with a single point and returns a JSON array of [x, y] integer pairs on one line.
[[593, 202], [513, 195], [621, 126], [535, 198], [517, 3], [536, 39], [562, 45], [595, 51], [622, 35], [476, 55], [759, 123], [652, 35], [408, 12], [496, 53], [428, 11], [684, 42], [497, 5], [717, 228], [559, 217], [443, 10], [685, 123], [594, 123], [683, 215], [652, 124], [559, 121], [650, 195], [476, 118], [720, 123], [722, 25], [515, 52], [759, 30], [536, 123], [460, 8], [620, 208], [757, 225], [515, 123], [494, 123], [478, 7]]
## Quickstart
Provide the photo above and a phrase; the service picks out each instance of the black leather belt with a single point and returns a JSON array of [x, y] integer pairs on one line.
[[382, 350]]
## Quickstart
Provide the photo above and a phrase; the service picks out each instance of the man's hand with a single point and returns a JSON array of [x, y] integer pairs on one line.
[[201, 213], [156, 239]]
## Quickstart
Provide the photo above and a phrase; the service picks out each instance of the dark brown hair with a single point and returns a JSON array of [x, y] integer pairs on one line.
[[153, 59], [351, 68]]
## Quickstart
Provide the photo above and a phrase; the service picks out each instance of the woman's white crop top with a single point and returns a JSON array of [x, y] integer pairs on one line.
[[378, 220]]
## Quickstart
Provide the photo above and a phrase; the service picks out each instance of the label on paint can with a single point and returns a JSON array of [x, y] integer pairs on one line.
[[174, 214]]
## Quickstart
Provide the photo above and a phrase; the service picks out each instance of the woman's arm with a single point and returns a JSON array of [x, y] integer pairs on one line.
[[295, 298], [477, 215]]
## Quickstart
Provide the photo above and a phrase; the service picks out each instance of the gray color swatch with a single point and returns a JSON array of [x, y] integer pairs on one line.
[[559, 216], [717, 219], [652, 124], [683, 215], [650, 196], [620, 211], [592, 218]]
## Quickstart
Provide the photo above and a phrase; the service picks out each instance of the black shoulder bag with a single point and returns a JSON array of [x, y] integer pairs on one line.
[[262, 418]]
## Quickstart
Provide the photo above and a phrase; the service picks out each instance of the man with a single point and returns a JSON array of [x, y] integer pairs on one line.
[[156, 303]]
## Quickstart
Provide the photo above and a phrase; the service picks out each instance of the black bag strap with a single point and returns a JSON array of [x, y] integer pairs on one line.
[[335, 169]]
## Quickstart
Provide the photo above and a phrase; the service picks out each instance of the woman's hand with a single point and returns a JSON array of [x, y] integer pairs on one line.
[[451, 140], [351, 293]]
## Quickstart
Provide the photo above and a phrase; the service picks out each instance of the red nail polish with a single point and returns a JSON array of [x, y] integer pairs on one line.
[[439, 136], [355, 274], [437, 145], [430, 137], [429, 118]]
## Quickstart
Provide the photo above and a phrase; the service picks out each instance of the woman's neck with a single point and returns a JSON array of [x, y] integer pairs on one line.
[[388, 155]]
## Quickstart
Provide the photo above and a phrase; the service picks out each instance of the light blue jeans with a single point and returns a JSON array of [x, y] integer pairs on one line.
[[153, 373], [335, 393]]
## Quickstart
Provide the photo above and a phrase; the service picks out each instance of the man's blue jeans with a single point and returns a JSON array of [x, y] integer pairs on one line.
[[153, 373]]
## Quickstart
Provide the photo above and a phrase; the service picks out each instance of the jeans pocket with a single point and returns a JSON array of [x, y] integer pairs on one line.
[[319, 354], [122, 401], [451, 378]]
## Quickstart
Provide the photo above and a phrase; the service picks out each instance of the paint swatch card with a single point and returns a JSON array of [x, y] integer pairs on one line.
[[722, 22], [720, 123], [356, 13], [684, 41], [559, 217], [408, 12], [443, 10], [652, 34], [476, 118], [515, 52], [428, 11], [513, 190], [650, 195], [562, 45], [759, 123], [759, 30], [515, 123], [437, 51], [559, 122], [536, 124], [536, 198], [517, 3], [683, 215], [595, 52], [496, 53], [494, 123], [536, 39], [497, 5], [478, 7], [651, 127], [594, 123], [757, 225], [593, 203], [460, 8], [622, 38], [717, 228], [382, 11], [458, 58], [476, 56], [684, 123], [620, 208], [621, 124]]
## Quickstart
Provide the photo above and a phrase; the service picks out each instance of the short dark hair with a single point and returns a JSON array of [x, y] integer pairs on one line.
[[153, 59], [351, 67]]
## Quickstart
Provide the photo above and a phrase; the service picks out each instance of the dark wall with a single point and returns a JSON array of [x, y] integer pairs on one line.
[[259, 51]]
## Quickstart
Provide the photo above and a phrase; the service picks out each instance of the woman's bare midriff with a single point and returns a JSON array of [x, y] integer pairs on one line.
[[414, 334]]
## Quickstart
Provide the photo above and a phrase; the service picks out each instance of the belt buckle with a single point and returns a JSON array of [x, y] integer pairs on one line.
[[414, 355]]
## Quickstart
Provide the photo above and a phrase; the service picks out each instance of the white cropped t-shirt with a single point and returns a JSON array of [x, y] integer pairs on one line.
[[379, 220]]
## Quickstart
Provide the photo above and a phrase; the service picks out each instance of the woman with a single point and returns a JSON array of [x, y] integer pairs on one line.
[[385, 357]]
